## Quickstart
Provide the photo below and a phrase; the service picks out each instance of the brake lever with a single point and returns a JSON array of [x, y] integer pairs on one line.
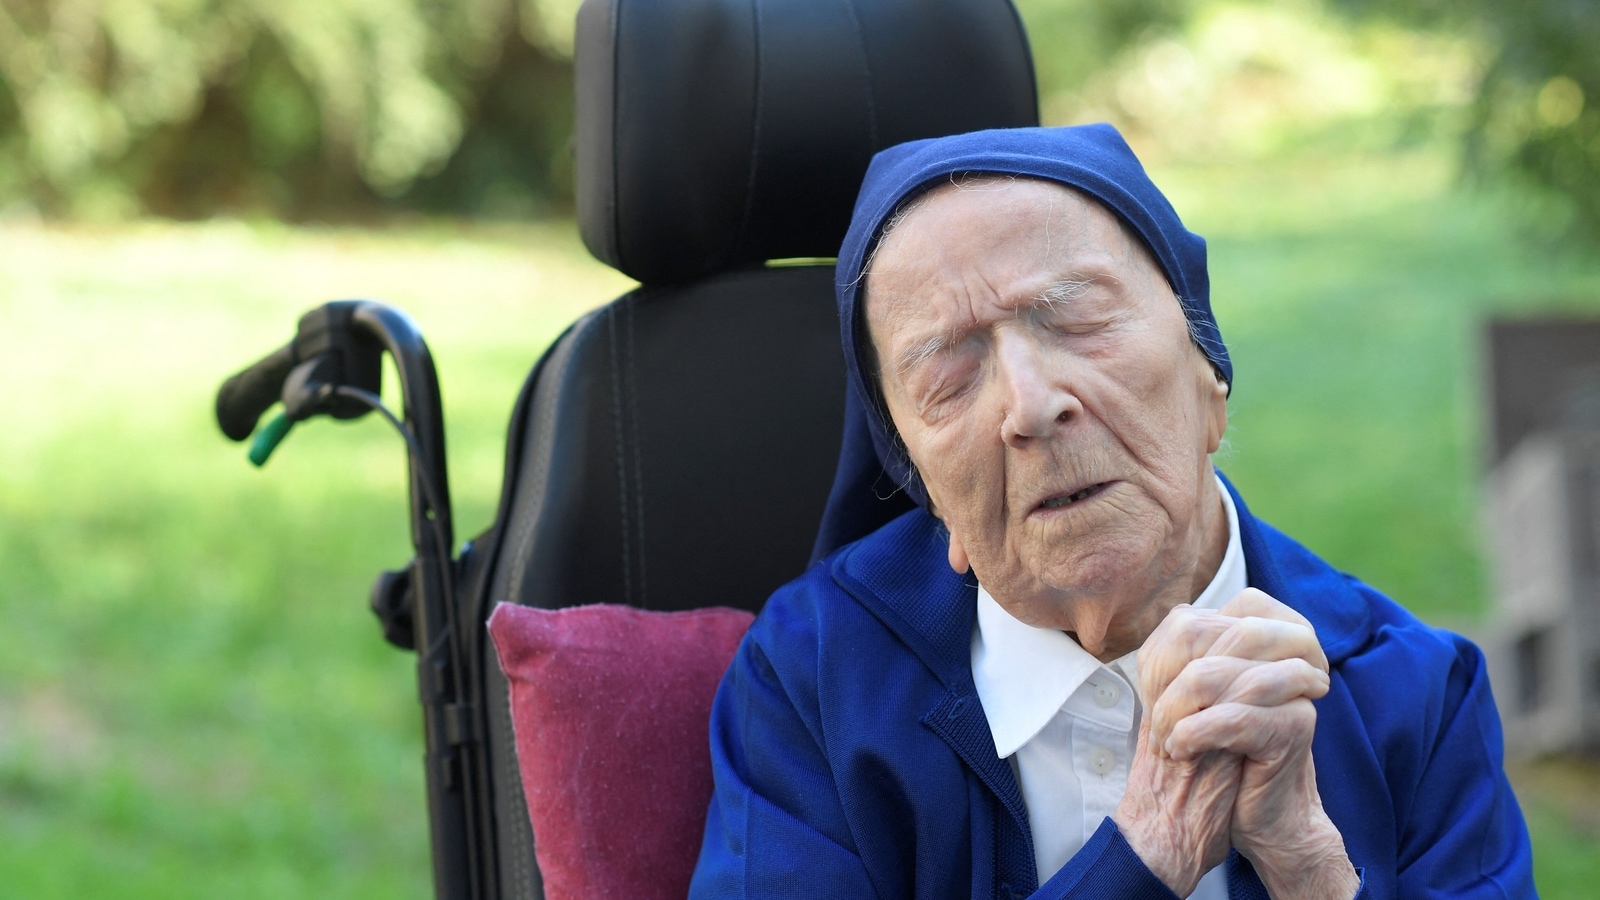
[[325, 353], [307, 391]]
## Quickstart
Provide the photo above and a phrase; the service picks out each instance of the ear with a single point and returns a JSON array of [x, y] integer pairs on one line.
[[958, 555], [1216, 405]]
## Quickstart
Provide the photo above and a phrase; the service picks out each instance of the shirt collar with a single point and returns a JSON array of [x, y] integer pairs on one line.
[[1024, 674]]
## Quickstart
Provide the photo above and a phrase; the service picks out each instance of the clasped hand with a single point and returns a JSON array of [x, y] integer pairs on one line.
[[1224, 751]]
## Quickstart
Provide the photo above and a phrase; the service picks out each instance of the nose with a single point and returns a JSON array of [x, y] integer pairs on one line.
[[1036, 394]]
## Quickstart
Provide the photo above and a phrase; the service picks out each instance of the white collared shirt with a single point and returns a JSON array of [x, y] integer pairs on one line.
[[1069, 723]]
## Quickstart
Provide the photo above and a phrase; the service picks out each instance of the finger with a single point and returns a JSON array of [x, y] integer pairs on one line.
[[1259, 603], [1189, 632], [1184, 635], [1213, 680], [1269, 640], [1263, 734], [1201, 684], [1268, 684]]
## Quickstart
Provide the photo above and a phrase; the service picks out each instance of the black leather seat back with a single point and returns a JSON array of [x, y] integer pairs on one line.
[[675, 449], [682, 444]]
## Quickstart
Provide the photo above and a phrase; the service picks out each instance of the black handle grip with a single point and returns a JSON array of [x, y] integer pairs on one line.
[[243, 398]]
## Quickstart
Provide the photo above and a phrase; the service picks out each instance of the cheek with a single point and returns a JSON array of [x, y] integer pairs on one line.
[[1142, 401], [1161, 414], [962, 472]]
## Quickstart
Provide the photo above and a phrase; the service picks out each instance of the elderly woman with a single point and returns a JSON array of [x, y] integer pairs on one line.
[[1081, 668]]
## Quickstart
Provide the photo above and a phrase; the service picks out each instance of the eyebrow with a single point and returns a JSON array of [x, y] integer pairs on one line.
[[1064, 289], [922, 351]]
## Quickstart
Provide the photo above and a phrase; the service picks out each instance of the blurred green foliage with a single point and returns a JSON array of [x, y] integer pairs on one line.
[[1540, 104], [1243, 82], [292, 107], [1536, 110], [341, 108], [1072, 40]]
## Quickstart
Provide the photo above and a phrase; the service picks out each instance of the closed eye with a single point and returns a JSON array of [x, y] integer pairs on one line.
[[943, 380], [1076, 306]]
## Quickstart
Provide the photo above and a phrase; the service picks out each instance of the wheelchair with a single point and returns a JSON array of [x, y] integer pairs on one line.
[[675, 448]]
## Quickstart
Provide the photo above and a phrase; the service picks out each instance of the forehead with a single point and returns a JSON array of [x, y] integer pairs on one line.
[[1011, 234]]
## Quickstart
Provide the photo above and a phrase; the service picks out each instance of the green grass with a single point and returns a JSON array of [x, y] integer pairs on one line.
[[1352, 295], [1561, 799], [194, 701]]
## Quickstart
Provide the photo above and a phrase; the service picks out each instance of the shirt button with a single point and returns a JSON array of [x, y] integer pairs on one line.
[[1101, 760], [1106, 694]]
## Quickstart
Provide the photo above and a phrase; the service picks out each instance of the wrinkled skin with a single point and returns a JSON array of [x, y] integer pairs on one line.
[[1009, 400], [1039, 369], [1234, 690]]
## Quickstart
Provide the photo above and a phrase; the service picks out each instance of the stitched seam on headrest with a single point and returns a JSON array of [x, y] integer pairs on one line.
[[866, 73], [614, 238], [755, 132]]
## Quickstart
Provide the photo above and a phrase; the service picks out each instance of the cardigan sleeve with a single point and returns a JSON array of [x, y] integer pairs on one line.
[[775, 828], [1465, 836], [1105, 866]]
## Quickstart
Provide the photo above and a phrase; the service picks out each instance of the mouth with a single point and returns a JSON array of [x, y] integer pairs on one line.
[[1062, 501]]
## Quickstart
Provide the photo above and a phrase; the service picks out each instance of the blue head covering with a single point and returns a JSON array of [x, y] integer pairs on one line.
[[1095, 160]]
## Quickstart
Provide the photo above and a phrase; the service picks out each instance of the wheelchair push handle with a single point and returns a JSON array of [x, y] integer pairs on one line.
[[334, 367], [243, 398], [331, 349]]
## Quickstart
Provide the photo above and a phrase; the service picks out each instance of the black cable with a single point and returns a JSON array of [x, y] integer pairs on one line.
[[430, 491], [450, 634]]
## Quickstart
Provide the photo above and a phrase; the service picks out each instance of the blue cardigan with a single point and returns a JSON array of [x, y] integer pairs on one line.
[[853, 759]]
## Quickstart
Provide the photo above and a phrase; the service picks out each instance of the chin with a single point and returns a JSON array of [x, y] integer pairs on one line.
[[1096, 565]]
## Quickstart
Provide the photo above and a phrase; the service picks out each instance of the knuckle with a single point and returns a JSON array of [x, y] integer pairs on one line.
[[1211, 668]]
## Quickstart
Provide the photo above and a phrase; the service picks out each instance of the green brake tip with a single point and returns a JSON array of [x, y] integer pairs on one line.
[[268, 439]]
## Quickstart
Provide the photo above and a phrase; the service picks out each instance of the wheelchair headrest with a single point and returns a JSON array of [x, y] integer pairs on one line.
[[713, 134]]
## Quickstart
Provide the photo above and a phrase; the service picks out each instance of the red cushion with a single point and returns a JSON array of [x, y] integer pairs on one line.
[[611, 708]]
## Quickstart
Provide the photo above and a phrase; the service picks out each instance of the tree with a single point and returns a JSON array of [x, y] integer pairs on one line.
[[1537, 111], [292, 107]]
